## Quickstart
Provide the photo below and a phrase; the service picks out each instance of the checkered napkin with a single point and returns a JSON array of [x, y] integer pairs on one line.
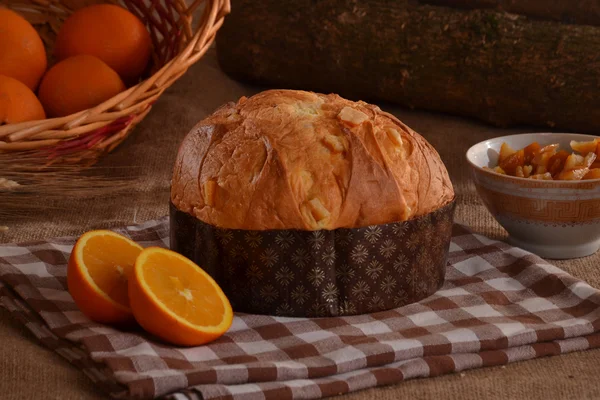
[[499, 304]]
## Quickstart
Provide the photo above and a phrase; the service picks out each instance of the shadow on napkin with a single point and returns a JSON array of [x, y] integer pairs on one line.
[[499, 304]]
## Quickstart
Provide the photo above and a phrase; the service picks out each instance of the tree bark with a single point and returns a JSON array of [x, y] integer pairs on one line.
[[568, 11], [501, 68]]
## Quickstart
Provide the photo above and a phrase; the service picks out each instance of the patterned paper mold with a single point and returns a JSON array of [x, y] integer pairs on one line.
[[320, 273]]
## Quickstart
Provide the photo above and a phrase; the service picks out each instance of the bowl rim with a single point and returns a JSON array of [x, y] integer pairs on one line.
[[519, 179]]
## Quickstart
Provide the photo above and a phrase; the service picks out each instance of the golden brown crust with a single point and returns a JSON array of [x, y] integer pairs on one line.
[[286, 159]]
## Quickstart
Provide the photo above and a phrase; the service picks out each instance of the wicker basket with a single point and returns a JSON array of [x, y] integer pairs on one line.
[[84, 136]]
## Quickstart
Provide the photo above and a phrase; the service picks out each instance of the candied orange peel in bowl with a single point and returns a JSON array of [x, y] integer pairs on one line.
[[549, 162]]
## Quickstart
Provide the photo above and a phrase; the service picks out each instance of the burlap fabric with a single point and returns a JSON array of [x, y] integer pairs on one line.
[[31, 371]]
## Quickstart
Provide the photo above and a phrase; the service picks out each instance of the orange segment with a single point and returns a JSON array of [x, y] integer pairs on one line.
[[99, 267], [174, 299]]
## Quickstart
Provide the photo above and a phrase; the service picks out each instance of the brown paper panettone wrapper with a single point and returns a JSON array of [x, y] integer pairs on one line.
[[320, 273]]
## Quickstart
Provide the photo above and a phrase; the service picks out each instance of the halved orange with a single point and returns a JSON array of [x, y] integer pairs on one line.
[[174, 299], [99, 267]]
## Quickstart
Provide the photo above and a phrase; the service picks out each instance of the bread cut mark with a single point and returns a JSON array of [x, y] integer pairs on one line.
[[334, 143], [318, 210], [215, 137], [380, 161], [425, 184], [301, 182], [402, 148], [342, 186], [308, 217], [210, 192], [394, 136], [352, 117], [307, 181], [258, 172], [391, 117], [374, 148], [315, 213]]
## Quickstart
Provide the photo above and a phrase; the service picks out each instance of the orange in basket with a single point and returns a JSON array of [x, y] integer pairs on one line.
[[17, 102], [109, 32], [97, 275], [180, 32], [78, 83], [22, 53], [174, 299]]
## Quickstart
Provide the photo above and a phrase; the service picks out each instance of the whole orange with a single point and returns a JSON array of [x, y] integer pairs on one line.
[[109, 32], [76, 84], [22, 53], [17, 102]]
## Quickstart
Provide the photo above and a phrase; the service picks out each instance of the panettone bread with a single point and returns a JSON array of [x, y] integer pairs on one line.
[[286, 159]]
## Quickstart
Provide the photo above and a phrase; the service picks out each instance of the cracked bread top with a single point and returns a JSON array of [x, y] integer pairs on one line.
[[288, 159]]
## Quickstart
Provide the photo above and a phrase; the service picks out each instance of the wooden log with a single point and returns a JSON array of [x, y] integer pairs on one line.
[[568, 11], [501, 68]]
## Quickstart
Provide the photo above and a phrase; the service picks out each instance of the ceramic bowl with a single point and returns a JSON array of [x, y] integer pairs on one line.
[[554, 219]]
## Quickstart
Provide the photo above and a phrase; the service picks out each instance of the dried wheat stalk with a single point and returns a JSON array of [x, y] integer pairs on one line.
[[29, 186]]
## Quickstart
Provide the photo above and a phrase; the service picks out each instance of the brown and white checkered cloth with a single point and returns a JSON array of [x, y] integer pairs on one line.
[[499, 304]]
